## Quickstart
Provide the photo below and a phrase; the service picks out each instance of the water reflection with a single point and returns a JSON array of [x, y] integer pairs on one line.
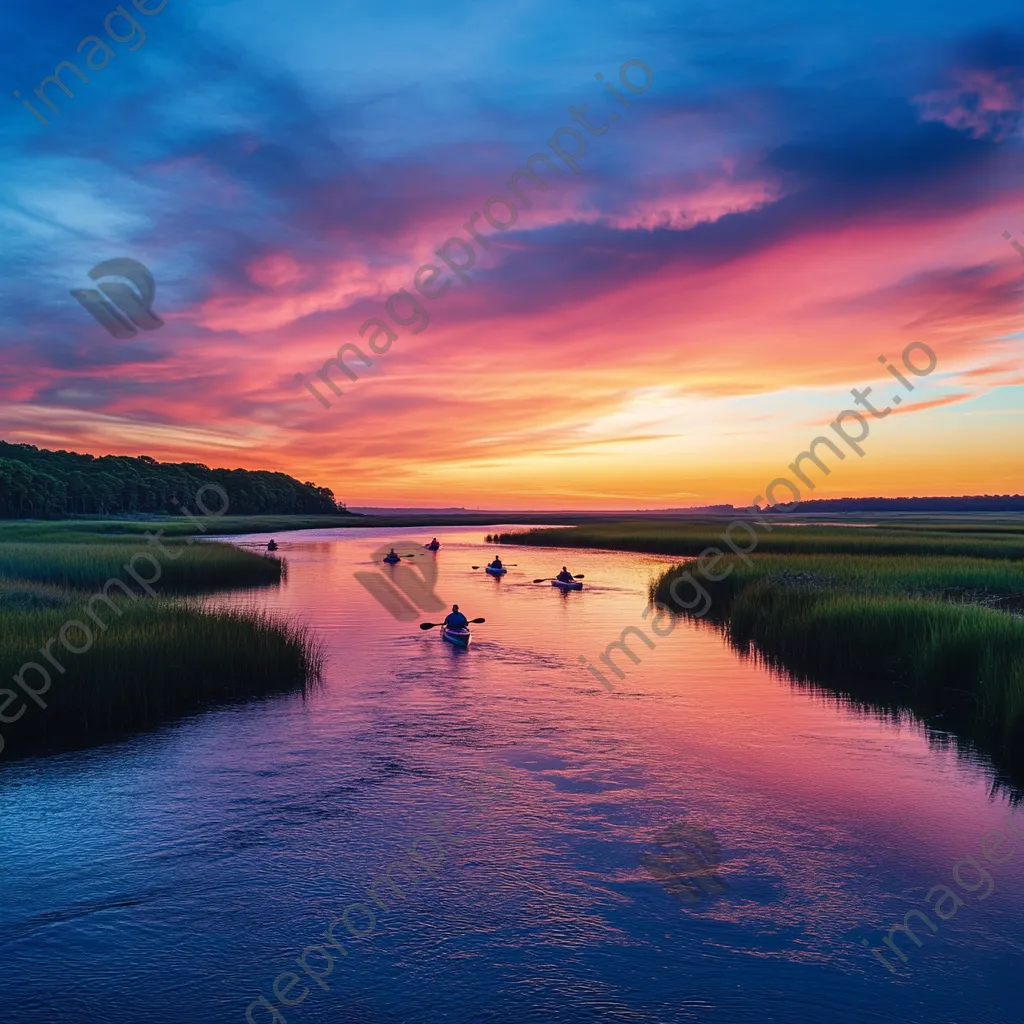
[[178, 874]]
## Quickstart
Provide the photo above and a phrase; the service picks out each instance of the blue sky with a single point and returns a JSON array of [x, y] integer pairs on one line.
[[800, 182]]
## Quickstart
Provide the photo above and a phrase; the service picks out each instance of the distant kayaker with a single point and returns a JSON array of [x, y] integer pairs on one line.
[[435, 544], [564, 576], [496, 564], [272, 546], [455, 619]]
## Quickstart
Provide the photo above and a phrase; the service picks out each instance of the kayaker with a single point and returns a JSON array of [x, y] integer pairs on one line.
[[564, 576], [435, 544], [455, 619], [496, 564], [272, 546]]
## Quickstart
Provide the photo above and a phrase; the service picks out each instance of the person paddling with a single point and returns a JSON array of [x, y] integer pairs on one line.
[[564, 576], [496, 564], [456, 620], [272, 546]]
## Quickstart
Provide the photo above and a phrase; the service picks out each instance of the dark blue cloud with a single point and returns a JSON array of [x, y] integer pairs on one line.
[[237, 131]]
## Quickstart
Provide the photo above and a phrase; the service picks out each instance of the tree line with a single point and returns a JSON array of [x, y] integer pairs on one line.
[[41, 484], [966, 503]]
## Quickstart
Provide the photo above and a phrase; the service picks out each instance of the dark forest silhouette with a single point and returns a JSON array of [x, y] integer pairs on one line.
[[37, 483]]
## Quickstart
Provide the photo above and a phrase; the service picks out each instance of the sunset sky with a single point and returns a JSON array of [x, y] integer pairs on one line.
[[802, 188]]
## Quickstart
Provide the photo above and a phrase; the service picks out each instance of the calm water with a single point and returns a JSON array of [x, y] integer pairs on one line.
[[175, 876]]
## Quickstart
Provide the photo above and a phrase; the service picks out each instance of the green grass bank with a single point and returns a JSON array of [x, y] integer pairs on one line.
[[933, 636], [689, 538], [921, 618], [89, 563], [136, 654]]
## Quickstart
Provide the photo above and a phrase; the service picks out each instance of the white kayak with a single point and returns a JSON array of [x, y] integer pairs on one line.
[[495, 572], [567, 584], [459, 637]]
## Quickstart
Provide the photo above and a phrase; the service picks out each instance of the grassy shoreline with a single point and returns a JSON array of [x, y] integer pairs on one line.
[[902, 634], [116, 650], [180, 568], [921, 620], [674, 537]]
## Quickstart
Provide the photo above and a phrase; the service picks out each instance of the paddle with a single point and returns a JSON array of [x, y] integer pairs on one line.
[[549, 578], [431, 625], [504, 565]]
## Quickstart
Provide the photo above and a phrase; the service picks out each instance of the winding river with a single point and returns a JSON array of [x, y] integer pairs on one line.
[[180, 875]]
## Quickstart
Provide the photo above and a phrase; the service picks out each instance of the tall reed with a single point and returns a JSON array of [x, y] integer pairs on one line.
[[87, 565], [158, 660], [899, 632], [689, 538]]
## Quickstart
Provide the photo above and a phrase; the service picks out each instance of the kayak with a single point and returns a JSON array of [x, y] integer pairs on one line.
[[390, 560], [495, 572], [431, 547], [565, 585], [459, 637]]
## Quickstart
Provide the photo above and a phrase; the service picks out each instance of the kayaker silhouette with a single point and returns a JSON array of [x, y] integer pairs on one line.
[[455, 619], [565, 576], [272, 546], [496, 564]]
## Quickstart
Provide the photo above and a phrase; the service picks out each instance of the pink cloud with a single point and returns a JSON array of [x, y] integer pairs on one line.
[[983, 103]]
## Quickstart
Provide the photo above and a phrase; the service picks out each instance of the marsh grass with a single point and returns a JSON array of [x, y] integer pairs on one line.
[[88, 564], [674, 537], [151, 658], [97, 529], [159, 659], [905, 633], [939, 577]]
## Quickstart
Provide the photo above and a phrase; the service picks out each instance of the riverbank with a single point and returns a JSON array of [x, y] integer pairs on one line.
[[926, 619], [92, 529], [942, 638], [280, 812], [103, 635], [690, 538]]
